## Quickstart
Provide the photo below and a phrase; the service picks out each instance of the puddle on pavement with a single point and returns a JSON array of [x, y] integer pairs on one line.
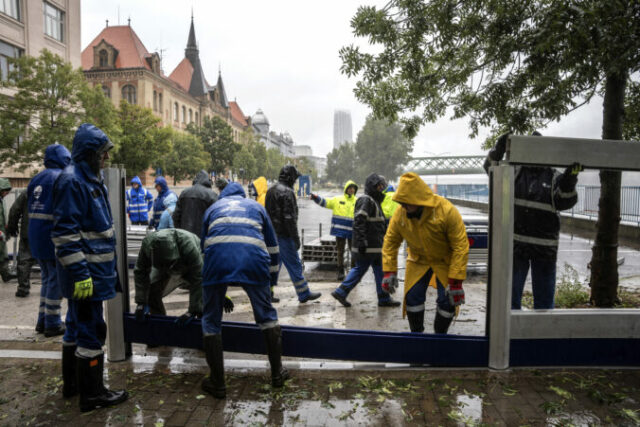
[[469, 409], [577, 419]]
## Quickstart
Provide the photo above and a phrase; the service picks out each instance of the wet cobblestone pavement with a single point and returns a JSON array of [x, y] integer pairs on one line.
[[30, 395]]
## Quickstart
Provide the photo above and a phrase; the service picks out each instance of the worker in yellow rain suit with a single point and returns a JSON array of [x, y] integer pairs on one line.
[[437, 244]]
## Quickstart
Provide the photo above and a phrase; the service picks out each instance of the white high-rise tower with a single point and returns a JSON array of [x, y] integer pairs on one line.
[[341, 127]]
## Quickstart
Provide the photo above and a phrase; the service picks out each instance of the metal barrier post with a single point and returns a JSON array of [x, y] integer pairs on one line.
[[501, 265], [117, 349]]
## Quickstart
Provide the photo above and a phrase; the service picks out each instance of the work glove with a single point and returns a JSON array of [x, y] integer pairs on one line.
[[227, 305], [390, 282], [362, 250], [83, 289], [187, 318], [574, 169], [142, 311], [314, 197], [456, 293]]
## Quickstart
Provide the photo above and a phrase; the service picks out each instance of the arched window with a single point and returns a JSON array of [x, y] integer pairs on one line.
[[190, 115], [104, 58], [155, 101], [160, 108], [184, 114], [175, 111], [106, 90], [129, 94]]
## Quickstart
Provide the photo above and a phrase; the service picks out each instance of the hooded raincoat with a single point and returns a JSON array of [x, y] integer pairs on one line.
[[169, 206], [158, 204], [342, 207], [436, 240], [388, 205], [192, 204], [139, 201], [260, 185]]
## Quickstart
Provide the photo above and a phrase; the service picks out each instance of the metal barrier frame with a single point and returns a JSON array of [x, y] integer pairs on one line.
[[518, 338]]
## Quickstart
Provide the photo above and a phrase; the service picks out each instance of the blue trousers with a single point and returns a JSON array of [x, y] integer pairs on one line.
[[356, 274], [291, 260], [543, 281], [85, 326], [417, 295], [50, 295], [213, 298]]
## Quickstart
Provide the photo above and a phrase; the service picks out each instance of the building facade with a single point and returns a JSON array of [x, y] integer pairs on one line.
[[341, 128], [271, 139]]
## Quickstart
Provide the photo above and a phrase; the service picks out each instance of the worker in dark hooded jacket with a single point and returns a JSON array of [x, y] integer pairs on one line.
[[368, 235], [158, 204], [539, 194], [240, 249], [282, 207], [40, 208], [192, 204], [85, 244], [18, 224]]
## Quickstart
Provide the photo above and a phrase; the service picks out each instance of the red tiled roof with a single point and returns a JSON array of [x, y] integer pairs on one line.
[[237, 113], [182, 74], [131, 51]]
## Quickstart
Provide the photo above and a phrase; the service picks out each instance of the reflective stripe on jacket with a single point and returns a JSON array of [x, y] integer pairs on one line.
[[139, 202], [342, 207]]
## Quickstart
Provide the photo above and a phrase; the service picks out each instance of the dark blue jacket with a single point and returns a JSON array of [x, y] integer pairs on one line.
[[83, 227], [40, 201], [158, 204], [139, 201], [239, 243]]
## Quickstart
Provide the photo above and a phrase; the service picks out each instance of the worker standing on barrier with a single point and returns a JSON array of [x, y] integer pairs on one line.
[[240, 249], [539, 193], [18, 225], [139, 202], [341, 220], [282, 207], [437, 244], [168, 259], [368, 234], [158, 204], [5, 188], [40, 207], [193, 203], [85, 244]]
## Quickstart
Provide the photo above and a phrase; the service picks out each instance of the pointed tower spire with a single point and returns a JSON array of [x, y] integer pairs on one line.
[[191, 52], [223, 94], [198, 86]]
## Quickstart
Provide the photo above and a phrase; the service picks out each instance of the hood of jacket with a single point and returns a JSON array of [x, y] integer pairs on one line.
[[170, 201], [389, 188], [5, 185], [370, 187], [233, 189], [136, 180], [162, 183], [89, 138], [349, 184], [202, 178], [164, 249], [288, 175], [260, 184], [412, 190], [56, 156]]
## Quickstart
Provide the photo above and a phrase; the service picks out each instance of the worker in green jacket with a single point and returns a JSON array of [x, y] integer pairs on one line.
[[5, 188], [167, 259], [18, 227]]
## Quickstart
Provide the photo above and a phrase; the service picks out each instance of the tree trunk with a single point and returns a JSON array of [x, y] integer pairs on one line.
[[604, 266]]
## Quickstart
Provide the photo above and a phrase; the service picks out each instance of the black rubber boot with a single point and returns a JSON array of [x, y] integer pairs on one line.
[[312, 296], [273, 341], [441, 322], [69, 377], [93, 393], [274, 298], [54, 332], [416, 320], [214, 383]]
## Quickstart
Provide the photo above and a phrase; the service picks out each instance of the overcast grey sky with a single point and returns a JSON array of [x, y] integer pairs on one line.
[[282, 56]]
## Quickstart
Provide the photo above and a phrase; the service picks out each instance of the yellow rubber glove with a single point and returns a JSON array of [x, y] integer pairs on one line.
[[83, 289]]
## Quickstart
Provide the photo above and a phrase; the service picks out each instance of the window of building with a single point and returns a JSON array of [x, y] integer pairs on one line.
[[103, 58], [190, 115], [106, 90], [155, 101], [11, 8], [175, 111], [129, 94], [197, 122], [160, 102], [53, 22], [184, 114], [7, 52]]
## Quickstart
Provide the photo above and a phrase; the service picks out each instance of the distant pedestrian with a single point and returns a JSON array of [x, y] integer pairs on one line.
[[221, 182], [282, 207], [258, 189], [18, 225], [139, 202], [5, 188], [158, 204], [192, 204], [166, 220]]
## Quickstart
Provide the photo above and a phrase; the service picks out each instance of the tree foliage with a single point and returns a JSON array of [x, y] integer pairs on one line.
[[217, 139], [342, 164], [100, 111], [186, 157], [275, 162], [142, 143], [45, 107], [244, 164], [631, 127], [507, 65]]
